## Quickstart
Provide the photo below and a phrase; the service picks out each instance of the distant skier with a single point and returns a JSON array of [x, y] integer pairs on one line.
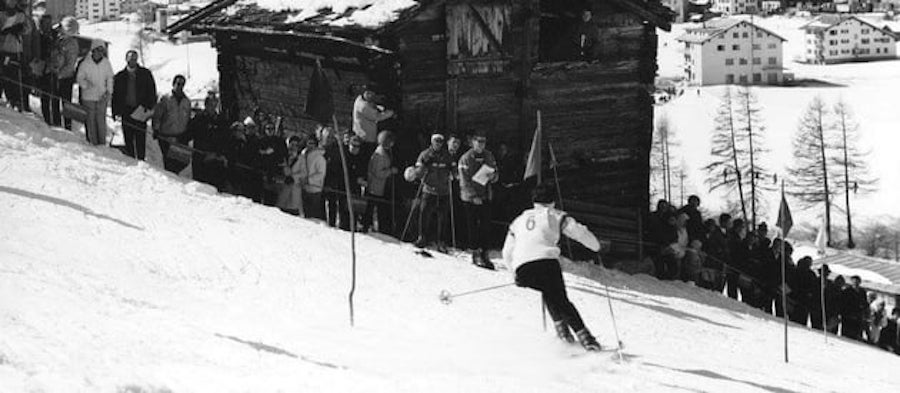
[[531, 252]]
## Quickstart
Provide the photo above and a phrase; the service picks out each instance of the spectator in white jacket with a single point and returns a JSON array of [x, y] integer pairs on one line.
[[312, 174], [170, 119], [366, 115], [95, 82]]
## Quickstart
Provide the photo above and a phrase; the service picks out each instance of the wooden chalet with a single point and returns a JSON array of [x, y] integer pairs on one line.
[[463, 65]]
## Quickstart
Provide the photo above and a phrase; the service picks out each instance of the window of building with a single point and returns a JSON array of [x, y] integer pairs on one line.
[[773, 60], [865, 31], [832, 32], [720, 48], [772, 78], [757, 60], [729, 78], [773, 45], [744, 35], [845, 51], [864, 40], [845, 41], [757, 78], [832, 42], [877, 50], [729, 61], [832, 52], [758, 34], [742, 61], [735, 35], [735, 47], [743, 79], [756, 47]]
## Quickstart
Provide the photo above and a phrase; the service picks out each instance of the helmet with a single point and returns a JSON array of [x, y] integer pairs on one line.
[[411, 173]]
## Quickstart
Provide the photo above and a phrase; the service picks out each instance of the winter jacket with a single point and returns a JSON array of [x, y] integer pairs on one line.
[[334, 172], [171, 115], [11, 37], [469, 164], [94, 79], [534, 236], [436, 164], [379, 171], [695, 228], [365, 119], [312, 170], [145, 88], [63, 57], [291, 196]]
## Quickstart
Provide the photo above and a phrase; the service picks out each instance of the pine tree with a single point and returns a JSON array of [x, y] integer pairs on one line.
[[725, 171], [738, 147], [809, 173], [850, 164], [753, 130], [661, 157]]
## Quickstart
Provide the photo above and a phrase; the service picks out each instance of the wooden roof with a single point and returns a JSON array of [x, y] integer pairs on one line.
[[883, 267]]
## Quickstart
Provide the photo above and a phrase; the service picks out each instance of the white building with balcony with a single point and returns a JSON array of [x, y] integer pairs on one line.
[[732, 51], [842, 38], [97, 10]]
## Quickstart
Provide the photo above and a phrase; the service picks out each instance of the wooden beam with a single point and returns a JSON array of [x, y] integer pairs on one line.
[[485, 28]]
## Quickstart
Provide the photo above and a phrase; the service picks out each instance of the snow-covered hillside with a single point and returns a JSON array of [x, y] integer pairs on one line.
[[115, 276], [869, 88]]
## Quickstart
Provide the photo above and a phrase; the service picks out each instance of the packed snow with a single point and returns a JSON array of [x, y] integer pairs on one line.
[[869, 88], [117, 276], [366, 13]]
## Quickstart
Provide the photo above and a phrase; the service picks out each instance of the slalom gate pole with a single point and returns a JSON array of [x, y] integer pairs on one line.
[[822, 301], [784, 297], [612, 316], [544, 313], [559, 195], [352, 215], [447, 297]]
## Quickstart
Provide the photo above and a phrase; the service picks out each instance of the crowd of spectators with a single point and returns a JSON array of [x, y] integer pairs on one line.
[[729, 256]]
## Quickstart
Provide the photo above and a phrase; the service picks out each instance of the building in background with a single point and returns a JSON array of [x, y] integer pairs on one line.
[[732, 51], [97, 10], [735, 7], [842, 38], [57, 9]]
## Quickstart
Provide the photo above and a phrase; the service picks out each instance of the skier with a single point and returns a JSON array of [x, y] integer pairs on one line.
[[531, 252]]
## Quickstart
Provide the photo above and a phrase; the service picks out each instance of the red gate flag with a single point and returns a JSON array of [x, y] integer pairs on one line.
[[533, 166], [319, 102]]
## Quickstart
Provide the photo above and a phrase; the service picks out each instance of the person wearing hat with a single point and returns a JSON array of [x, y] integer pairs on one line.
[[312, 177], [380, 169], [95, 82], [366, 115], [63, 56], [531, 252], [435, 165], [476, 196]]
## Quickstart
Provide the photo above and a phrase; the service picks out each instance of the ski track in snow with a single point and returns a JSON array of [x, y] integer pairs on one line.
[[116, 275]]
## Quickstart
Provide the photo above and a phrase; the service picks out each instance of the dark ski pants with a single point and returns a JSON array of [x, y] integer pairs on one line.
[[378, 209], [432, 209], [135, 133], [478, 220], [545, 276]]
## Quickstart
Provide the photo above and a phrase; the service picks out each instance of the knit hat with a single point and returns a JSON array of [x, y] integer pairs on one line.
[[436, 136], [96, 43], [249, 121]]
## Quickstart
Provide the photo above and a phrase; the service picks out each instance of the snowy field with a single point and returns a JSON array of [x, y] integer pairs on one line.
[[118, 277], [869, 88]]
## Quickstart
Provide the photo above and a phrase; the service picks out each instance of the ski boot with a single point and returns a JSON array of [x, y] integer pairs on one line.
[[587, 340], [478, 259], [563, 332]]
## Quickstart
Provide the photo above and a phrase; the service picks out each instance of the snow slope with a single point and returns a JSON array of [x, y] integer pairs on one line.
[[118, 277], [869, 88]]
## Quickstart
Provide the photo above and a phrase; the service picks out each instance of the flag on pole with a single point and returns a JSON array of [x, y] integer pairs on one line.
[[553, 162], [319, 100], [821, 237], [533, 166], [785, 222]]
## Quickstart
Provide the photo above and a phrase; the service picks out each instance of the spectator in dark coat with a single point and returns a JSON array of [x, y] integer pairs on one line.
[[434, 164], [660, 232], [716, 248], [856, 306], [740, 254], [335, 201], [133, 89], [834, 304], [210, 132], [889, 339], [273, 155], [803, 296], [694, 225]]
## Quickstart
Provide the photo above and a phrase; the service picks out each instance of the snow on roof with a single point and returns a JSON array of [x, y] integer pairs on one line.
[[365, 13]]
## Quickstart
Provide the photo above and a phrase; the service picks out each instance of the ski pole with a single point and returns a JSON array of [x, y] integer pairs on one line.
[[446, 297], [413, 206], [612, 316]]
